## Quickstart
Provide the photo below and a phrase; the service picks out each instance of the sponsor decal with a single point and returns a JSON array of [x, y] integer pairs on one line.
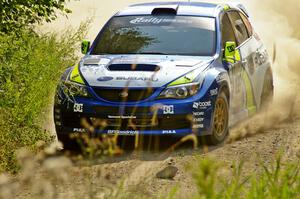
[[148, 79], [198, 119], [201, 105], [198, 113], [168, 109], [168, 132], [155, 20], [80, 130], [152, 20], [121, 117], [105, 78], [118, 132], [78, 108], [214, 92], [196, 126]]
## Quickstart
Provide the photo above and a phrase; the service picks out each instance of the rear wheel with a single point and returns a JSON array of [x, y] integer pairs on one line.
[[220, 120], [267, 93]]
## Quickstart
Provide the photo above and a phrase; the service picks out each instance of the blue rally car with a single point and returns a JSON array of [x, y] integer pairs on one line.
[[173, 68]]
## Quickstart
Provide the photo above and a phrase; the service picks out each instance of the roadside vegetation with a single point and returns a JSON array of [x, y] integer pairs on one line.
[[30, 66], [42, 177], [278, 180]]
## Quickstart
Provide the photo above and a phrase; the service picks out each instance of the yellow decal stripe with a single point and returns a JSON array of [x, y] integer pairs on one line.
[[188, 78], [75, 75], [249, 94]]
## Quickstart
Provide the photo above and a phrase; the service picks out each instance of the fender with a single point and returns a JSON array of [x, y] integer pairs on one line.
[[217, 78]]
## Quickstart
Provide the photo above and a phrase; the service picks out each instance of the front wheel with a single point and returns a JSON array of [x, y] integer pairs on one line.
[[220, 120]]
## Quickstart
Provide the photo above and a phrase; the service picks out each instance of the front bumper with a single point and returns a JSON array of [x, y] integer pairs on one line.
[[157, 117]]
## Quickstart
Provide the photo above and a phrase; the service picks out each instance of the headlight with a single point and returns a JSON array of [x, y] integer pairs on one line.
[[72, 89], [74, 85], [184, 87], [180, 92]]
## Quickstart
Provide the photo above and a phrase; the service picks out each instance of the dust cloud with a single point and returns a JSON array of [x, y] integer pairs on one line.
[[276, 21]]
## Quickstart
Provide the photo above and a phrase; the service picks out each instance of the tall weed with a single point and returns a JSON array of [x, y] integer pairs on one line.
[[30, 67]]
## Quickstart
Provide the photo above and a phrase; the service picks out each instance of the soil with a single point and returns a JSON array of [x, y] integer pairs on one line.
[[136, 172]]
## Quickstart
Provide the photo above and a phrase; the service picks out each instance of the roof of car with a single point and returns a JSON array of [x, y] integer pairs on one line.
[[182, 8]]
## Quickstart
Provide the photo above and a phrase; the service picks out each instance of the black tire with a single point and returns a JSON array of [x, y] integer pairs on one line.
[[220, 127], [267, 93], [68, 143]]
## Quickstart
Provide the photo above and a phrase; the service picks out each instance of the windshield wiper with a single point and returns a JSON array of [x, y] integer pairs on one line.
[[152, 53]]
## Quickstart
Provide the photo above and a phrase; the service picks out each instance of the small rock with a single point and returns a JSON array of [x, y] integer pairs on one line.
[[259, 140], [167, 173], [171, 161]]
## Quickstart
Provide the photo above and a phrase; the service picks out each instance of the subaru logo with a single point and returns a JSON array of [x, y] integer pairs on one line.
[[104, 78], [123, 94]]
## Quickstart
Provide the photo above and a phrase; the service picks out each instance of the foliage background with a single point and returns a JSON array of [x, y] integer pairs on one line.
[[16, 14], [30, 66]]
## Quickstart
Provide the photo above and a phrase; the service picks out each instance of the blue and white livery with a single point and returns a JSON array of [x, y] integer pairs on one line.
[[167, 69]]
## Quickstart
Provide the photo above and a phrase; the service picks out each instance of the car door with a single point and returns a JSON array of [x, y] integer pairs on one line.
[[246, 100], [234, 67], [256, 60]]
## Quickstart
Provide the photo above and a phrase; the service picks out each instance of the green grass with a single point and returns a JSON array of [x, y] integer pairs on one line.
[[279, 180], [30, 67]]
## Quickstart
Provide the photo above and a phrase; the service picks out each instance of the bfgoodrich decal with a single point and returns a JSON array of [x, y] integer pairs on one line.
[[118, 132]]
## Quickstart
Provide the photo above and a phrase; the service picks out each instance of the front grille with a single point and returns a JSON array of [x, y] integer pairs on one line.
[[122, 110], [123, 95], [139, 123]]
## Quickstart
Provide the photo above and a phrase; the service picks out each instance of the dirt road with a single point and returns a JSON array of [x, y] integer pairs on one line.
[[135, 174]]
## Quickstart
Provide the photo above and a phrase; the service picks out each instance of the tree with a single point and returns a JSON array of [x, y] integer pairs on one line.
[[17, 14]]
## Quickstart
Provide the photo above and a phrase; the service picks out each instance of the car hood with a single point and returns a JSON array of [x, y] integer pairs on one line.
[[95, 69]]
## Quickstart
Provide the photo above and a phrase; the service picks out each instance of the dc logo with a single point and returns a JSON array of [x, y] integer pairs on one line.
[[78, 108], [168, 109]]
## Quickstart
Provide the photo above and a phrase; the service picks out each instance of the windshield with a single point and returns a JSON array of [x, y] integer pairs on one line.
[[167, 34]]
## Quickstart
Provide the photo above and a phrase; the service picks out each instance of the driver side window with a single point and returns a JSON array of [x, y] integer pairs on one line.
[[227, 31], [239, 27]]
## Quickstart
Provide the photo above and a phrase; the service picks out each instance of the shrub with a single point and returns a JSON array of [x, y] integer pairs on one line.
[[17, 14], [30, 67]]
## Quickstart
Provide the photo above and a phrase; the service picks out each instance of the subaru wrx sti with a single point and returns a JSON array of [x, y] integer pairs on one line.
[[167, 69]]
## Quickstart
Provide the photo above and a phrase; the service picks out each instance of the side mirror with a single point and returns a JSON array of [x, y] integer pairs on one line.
[[85, 46], [230, 51]]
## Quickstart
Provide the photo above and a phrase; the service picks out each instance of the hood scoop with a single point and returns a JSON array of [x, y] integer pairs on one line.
[[134, 67]]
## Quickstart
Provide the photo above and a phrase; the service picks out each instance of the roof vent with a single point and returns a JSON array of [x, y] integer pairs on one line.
[[164, 11]]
